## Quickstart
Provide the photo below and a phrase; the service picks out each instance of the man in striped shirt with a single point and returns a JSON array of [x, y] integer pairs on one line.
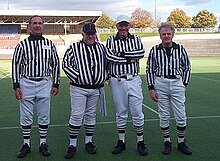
[[126, 83], [168, 74], [34, 60], [85, 64]]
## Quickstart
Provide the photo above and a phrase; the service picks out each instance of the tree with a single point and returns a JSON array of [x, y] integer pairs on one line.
[[179, 19], [204, 19], [105, 21], [141, 19]]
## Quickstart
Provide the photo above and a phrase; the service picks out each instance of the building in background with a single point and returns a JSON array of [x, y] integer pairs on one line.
[[62, 27]]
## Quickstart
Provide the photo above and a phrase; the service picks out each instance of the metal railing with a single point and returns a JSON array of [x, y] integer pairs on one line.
[[144, 30]]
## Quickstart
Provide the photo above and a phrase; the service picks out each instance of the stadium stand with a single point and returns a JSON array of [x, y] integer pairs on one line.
[[62, 27], [195, 44], [9, 41]]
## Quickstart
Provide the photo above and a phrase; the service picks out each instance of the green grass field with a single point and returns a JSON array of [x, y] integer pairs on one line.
[[203, 130]]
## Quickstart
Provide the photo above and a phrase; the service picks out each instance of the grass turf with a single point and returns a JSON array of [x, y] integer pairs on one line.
[[202, 133]]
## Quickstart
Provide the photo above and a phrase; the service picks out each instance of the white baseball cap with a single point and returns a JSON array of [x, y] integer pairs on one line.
[[123, 18]]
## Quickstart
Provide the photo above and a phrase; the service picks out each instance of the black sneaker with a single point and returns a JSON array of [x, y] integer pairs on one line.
[[70, 152], [167, 148], [119, 147], [142, 149], [44, 150], [25, 149], [184, 148], [90, 148]]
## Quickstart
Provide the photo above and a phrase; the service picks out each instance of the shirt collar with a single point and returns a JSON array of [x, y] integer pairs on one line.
[[174, 45], [35, 37], [118, 37], [81, 41]]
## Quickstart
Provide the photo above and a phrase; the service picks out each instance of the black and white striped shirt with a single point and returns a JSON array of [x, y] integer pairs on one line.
[[86, 65], [131, 48], [164, 62], [36, 57]]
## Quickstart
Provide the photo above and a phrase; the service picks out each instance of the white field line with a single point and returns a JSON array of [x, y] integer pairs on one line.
[[208, 79], [5, 76], [150, 109], [113, 122]]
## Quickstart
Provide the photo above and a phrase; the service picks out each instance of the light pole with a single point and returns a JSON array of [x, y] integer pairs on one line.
[[155, 10], [7, 5]]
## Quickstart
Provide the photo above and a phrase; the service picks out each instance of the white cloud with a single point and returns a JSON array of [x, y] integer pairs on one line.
[[112, 7], [195, 2]]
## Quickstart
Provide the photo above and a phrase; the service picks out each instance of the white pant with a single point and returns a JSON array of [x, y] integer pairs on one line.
[[128, 92], [83, 105], [35, 94], [171, 93]]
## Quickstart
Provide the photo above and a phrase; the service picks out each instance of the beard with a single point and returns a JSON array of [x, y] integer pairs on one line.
[[89, 42]]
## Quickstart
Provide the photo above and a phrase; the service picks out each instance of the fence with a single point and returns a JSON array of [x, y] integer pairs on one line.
[[147, 30]]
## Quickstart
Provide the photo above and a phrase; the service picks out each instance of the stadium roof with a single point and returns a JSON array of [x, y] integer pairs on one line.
[[49, 16]]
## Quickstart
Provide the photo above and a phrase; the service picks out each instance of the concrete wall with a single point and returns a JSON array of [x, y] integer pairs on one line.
[[195, 44]]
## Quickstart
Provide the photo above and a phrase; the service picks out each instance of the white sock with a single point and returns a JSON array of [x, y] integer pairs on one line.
[[167, 139], [27, 141], [140, 138], [180, 140], [42, 140], [88, 139], [121, 136], [73, 142]]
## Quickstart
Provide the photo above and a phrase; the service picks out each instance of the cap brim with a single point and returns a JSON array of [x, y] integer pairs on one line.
[[123, 21]]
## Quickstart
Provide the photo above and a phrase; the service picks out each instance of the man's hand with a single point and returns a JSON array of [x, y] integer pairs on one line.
[[18, 93], [153, 95], [54, 91]]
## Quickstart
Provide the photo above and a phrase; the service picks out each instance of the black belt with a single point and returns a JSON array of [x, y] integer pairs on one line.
[[122, 76], [87, 86], [169, 76], [35, 79]]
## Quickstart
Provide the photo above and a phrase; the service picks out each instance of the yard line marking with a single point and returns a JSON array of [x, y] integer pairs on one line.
[[202, 117], [150, 109], [209, 79], [5, 76], [113, 122]]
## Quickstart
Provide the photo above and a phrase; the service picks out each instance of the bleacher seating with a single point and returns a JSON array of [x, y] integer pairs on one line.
[[9, 41], [194, 47]]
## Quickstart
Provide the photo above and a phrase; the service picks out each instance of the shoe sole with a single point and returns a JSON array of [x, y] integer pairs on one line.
[[46, 155], [143, 154], [22, 156], [91, 152], [118, 151], [184, 153]]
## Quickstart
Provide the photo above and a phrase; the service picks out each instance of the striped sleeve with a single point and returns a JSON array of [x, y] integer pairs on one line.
[[150, 69], [55, 65], [138, 51], [68, 64], [113, 58], [186, 67], [16, 63]]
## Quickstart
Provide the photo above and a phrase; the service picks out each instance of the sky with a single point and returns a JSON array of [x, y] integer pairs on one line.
[[113, 8]]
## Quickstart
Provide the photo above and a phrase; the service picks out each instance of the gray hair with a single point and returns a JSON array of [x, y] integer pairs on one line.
[[166, 25], [29, 21]]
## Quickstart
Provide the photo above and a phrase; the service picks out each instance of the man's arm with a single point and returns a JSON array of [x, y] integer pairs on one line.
[[16, 66], [55, 67], [185, 66], [68, 65], [138, 51]]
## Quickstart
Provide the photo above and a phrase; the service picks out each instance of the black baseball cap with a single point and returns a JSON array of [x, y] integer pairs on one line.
[[89, 28]]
